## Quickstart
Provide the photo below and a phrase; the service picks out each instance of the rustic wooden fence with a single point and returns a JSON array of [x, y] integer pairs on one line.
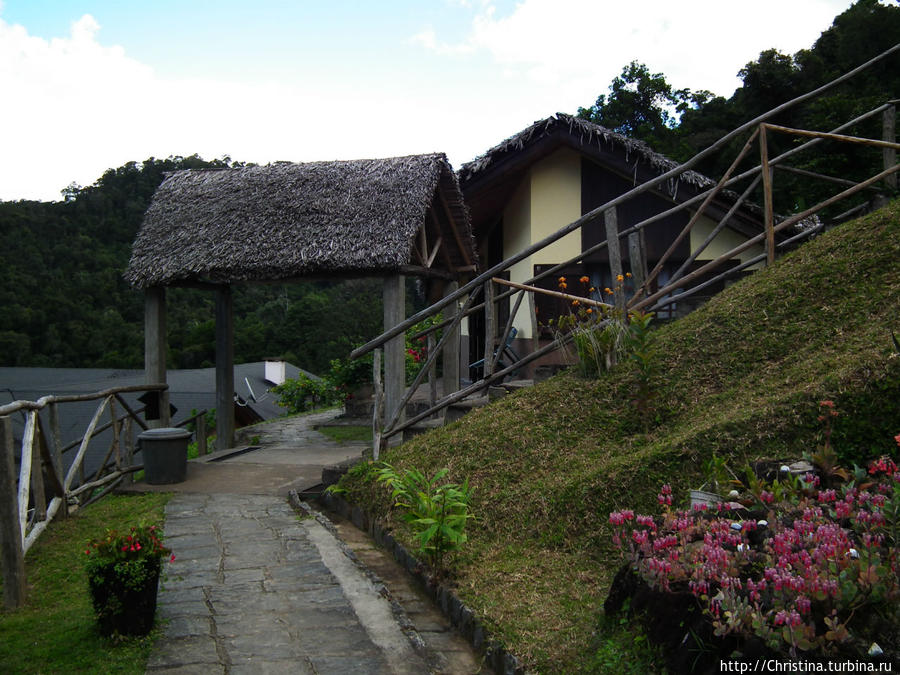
[[41, 488], [682, 283]]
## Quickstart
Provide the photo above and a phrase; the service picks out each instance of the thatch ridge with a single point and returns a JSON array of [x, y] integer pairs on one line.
[[588, 133], [286, 220]]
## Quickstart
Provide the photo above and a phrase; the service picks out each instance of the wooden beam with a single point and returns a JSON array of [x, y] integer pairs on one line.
[[445, 252], [768, 209], [224, 368], [611, 222], [833, 137], [434, 252], [889, 134], [395, 349], [555, 294], [12, 554], [155, 342], [451, 354], [463, 250]]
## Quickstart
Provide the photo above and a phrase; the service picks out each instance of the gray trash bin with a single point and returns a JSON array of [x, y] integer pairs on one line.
[[165, 455]]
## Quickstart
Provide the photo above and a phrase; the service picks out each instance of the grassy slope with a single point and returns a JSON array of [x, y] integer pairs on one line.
[[741, 377]]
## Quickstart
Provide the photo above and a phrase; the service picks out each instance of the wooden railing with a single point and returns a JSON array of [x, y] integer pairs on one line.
[[41, 489], [682, 283]]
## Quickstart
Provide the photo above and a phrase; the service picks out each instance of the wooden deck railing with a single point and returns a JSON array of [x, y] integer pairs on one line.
[[682, 283], [40, 489]]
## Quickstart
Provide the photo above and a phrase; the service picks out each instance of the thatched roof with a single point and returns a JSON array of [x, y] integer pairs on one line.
[[286, 220], [489, 180], [637, 154]]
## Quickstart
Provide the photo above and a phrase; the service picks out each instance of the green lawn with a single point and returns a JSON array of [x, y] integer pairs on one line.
[[55, 631]]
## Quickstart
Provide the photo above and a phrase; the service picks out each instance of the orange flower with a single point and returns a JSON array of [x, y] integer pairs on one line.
[[562, 285], [591, 289], [585, 280], [589, 310], [620, 278], [575, 303], [562, 280], [628, 274], [607, 290]]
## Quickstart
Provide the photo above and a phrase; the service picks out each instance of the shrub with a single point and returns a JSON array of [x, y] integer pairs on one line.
[[437, 513], [807, 569]]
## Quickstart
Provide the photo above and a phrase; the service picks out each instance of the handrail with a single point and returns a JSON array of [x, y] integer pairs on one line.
[[44, 401], [25, 488], [596, 213], [678, 286]]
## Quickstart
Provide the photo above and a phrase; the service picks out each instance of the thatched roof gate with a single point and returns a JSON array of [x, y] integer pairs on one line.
[[213, 228]]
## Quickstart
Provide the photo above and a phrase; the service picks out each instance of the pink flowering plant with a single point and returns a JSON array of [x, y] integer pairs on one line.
[[123, 570], [799, 564]]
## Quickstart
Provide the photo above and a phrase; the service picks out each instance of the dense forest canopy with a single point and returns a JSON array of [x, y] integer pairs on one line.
[[680, 123], [65, 303]]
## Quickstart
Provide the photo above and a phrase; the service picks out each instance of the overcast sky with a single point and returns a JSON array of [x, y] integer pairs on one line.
[[87, 85]]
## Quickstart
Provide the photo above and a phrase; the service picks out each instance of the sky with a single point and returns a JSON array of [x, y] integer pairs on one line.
[[88, 85]]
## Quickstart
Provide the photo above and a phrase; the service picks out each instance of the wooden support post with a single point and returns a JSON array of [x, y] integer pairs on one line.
[[116, 430], [769, 214], [51, 463], [378, 407], [611, 222], [38, 496], [128, 445], [889, 134], [488, 328], [201, 433], [451, 354], [637, 256], [224, 368], [12, 555], [155, 342], [432, 373], [532, 311], [395, 348]]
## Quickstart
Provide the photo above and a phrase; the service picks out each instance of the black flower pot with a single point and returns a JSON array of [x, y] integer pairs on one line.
[[124, 596]]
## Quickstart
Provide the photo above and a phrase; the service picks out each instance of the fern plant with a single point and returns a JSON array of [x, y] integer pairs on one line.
[[437, 513]]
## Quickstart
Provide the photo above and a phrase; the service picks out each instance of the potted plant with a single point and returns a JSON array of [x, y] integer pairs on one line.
[[123, 576]]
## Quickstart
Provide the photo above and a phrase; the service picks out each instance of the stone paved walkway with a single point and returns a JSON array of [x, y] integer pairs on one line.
[[256, 589]]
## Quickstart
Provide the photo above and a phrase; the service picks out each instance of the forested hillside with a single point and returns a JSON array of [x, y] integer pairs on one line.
[[681, 122], [65, 303]]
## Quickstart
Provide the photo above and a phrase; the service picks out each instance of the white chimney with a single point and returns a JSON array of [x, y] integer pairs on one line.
[[275, 371]]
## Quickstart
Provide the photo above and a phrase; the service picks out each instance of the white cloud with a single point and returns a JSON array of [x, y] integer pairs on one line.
[[74, 108], [580, 43]]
